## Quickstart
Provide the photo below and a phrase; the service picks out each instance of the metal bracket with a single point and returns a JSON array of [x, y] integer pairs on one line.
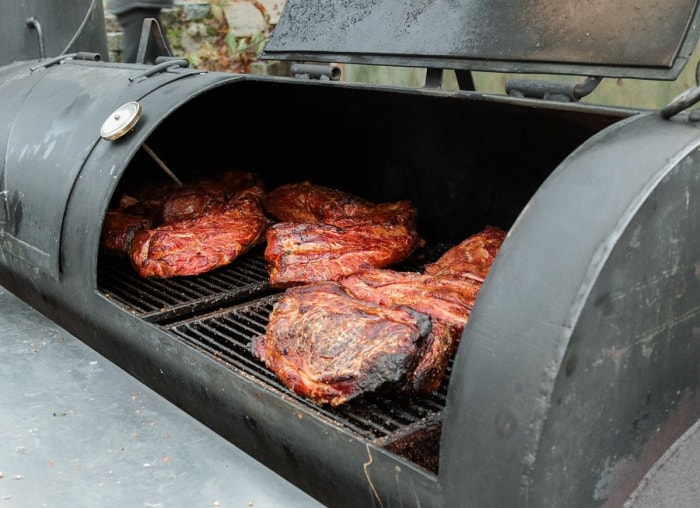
[[152, 43], [434, 78], [465, 80]]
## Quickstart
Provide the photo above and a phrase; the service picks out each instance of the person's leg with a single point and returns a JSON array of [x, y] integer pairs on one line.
[[132, 24]]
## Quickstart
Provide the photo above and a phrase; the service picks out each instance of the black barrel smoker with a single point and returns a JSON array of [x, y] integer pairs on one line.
[[580, 363]]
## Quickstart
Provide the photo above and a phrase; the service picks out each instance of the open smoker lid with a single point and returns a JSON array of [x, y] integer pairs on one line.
[[647, 39]]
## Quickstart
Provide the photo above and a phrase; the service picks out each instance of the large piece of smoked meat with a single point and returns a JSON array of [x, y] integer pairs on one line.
[[448, 301], [167, 205], [330, 347], [308, 202], [300, 253], [312, 325], [327, 234], [118, 230], [471, 258], [171, 230], [202, 244]]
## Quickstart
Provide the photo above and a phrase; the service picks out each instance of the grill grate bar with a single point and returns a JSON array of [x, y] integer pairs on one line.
[[121, 285], [252, 272], [163, 300], [223, 342], [228, 335]]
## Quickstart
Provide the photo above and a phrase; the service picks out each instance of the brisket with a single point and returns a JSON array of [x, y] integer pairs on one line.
[[327, 346], [471, 258], [308, 202], [168, 230], [326, 234], [199, 245], [376, 329], [446, 300]]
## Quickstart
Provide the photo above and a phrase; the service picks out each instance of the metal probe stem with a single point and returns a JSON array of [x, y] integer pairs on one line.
[[161, 163]]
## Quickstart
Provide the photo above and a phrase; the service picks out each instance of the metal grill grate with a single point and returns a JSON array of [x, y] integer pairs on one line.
[[221, 312], [227, 336], [162, 300]]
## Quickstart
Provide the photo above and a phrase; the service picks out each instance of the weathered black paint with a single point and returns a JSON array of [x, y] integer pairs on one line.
[[578, 367]]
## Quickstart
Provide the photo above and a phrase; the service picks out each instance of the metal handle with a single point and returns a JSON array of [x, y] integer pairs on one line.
[[180, 62], [32, 22], [683, 101], [91, 57]]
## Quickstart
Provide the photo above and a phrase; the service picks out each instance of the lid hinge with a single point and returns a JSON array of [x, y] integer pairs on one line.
[[316, 71], [562, 92]]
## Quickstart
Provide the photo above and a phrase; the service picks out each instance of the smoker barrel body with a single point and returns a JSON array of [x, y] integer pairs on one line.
[[555, 317]]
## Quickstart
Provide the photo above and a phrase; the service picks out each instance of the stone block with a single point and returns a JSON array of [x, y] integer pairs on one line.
[[244, 19], [273, 9], [196, 10]]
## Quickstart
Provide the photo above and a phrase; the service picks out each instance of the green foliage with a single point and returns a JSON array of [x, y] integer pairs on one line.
[[208, 43]]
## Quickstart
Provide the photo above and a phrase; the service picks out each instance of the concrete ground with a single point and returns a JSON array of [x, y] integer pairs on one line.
[[75, 430]]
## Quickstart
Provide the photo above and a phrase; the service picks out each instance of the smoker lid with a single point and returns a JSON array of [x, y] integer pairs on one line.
[[649, 39]]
